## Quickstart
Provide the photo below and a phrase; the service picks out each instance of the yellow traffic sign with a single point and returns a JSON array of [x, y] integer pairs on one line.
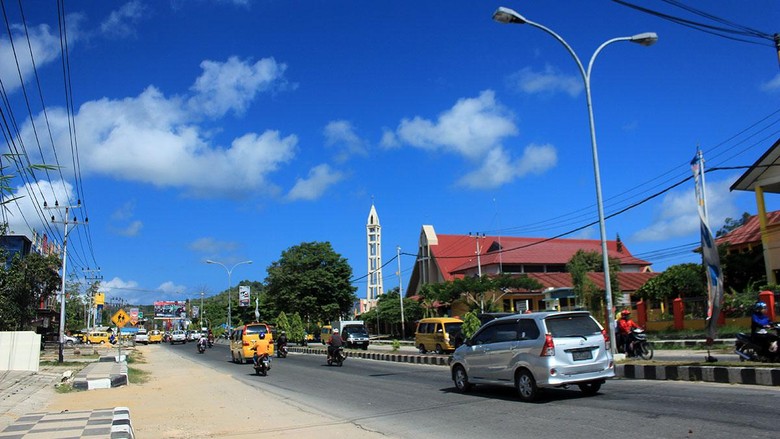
[[120, 318]]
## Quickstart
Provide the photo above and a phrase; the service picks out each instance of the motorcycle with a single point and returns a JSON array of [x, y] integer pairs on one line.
[[639, 345], [765, 351], [201, 346], [337, 358], [281, 350], [210, 343], [262, 364]]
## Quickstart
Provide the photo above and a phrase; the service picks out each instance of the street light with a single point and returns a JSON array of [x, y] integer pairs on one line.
[[229, 272], [506, 15]]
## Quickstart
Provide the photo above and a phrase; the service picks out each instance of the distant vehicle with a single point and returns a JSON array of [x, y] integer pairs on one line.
[[533, 351], [178, 337], [353, 332], [193, 335], [98, 337], [437, 334], [70, 340], [155, 336], [142, 336], [244, 338]]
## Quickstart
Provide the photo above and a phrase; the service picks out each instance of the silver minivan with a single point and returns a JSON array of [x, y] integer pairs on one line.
[[533, 351]]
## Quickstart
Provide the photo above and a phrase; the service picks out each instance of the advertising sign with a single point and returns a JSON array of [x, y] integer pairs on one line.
[[195, 311], [175, 309], [243, 295], [133, 316]]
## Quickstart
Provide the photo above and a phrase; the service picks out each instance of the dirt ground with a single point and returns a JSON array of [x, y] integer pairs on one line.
[[183, 399]]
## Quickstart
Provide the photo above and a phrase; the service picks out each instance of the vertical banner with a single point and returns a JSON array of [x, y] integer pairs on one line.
[[195, 311], [709, 252], [243, 295]]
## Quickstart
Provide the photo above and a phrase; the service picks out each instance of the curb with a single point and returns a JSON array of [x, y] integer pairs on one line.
[[713, 374], [104, 374], [710, 374]]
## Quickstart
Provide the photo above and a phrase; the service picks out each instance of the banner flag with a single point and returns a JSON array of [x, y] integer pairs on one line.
[[243, 295], [709, 252]]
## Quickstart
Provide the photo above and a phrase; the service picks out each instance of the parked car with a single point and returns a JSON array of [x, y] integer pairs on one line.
[[533, 351], [70, 340], [437, 334], [178, 337]]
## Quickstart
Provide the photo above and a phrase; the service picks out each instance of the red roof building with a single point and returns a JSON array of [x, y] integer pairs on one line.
[[442, 258]]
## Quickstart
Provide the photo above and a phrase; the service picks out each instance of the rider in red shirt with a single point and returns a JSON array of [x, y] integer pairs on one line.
[[624, 327]]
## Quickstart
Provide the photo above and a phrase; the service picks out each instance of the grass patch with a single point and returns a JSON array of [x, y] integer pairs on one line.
[[77, 364], [137, 376], [64, 388], [136, 357]]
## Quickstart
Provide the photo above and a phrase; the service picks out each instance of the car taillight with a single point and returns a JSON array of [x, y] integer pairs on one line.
[[605, 333], [246, 343], [548, 350]]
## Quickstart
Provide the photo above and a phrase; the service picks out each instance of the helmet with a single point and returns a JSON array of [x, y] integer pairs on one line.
[[335, 330], [283, 333], [625, 312], [759, 305], [262, 336]]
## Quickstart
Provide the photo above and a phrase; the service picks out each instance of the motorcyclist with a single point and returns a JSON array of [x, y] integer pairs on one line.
[[261, 347], [282, 340], [624, 327], [759, 323], [210, 338], [202, 342], [334, 343]]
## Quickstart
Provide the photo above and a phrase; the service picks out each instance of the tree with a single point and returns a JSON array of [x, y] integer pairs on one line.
[[731, 224], [282, 324], [471, 324], [584, 262], [389, 309], [27, 282], [310, 279], [296, 332], [676, 281]]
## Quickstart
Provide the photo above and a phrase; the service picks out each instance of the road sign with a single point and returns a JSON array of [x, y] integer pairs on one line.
[[120, 318]]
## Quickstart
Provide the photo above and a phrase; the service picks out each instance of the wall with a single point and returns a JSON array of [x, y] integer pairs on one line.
[[20, 351]]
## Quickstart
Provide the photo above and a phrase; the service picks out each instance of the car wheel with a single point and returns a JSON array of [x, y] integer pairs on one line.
[[589, 388], [69, 343], [102, 342], [439, 349], [526, 386], [422, 348], [461, 379]]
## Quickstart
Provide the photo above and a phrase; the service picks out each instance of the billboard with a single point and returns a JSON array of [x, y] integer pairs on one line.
[[175, 309], [243, 295]]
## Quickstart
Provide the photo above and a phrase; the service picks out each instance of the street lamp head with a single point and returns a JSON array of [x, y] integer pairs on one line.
[[209, 261], [645, 39], [506, 15]]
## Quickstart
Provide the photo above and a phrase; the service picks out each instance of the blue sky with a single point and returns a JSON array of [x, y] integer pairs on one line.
[[233, 130]]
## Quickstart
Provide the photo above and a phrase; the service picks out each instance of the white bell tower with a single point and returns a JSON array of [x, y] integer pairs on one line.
[[374, 251]]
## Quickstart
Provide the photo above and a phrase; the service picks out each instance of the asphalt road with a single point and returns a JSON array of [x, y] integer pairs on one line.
[[418, 401]]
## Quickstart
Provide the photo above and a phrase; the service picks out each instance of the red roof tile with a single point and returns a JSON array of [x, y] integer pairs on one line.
[[750, 232], [629, 282]]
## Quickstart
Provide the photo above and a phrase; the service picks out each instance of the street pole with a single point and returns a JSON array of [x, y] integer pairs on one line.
[[229, 273], [201, 311], [401, 291], [61, 357], [506, 15]]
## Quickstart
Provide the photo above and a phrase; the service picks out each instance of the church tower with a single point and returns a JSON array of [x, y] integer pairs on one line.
[[374, 251]]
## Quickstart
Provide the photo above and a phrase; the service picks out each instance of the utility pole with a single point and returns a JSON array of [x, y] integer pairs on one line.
[[92, 307], [400, 291], [479, 271], [64, 266]]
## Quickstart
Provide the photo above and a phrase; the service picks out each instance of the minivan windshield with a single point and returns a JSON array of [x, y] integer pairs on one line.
[[577, 325], [256, 329]]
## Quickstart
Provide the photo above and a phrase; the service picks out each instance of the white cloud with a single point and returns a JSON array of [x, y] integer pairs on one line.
[[121, 21], [474, 128], [471, 128], [151, 139], [45, 47], [232, 85], [320, 178], [341, 134], [678, 215], [772, 85], [548, 81], [132, 229], [170, 288], [498, 168], [23, 212], [210, 245]]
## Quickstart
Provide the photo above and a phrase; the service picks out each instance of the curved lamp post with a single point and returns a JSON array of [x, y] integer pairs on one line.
[[506, 15], [229, 272]]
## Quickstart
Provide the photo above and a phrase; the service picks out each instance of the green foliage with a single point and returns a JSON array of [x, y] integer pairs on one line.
[[584, 262], [282, 324], [310, 279], [296, 332], [731, 224], [471, 324], [676, 281], [396, 345], [389, 310], [742, 269], [483, 292], [23, 285]]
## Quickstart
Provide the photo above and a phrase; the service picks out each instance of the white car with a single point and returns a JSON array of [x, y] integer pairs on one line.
[[178, 337], [193, 336]]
